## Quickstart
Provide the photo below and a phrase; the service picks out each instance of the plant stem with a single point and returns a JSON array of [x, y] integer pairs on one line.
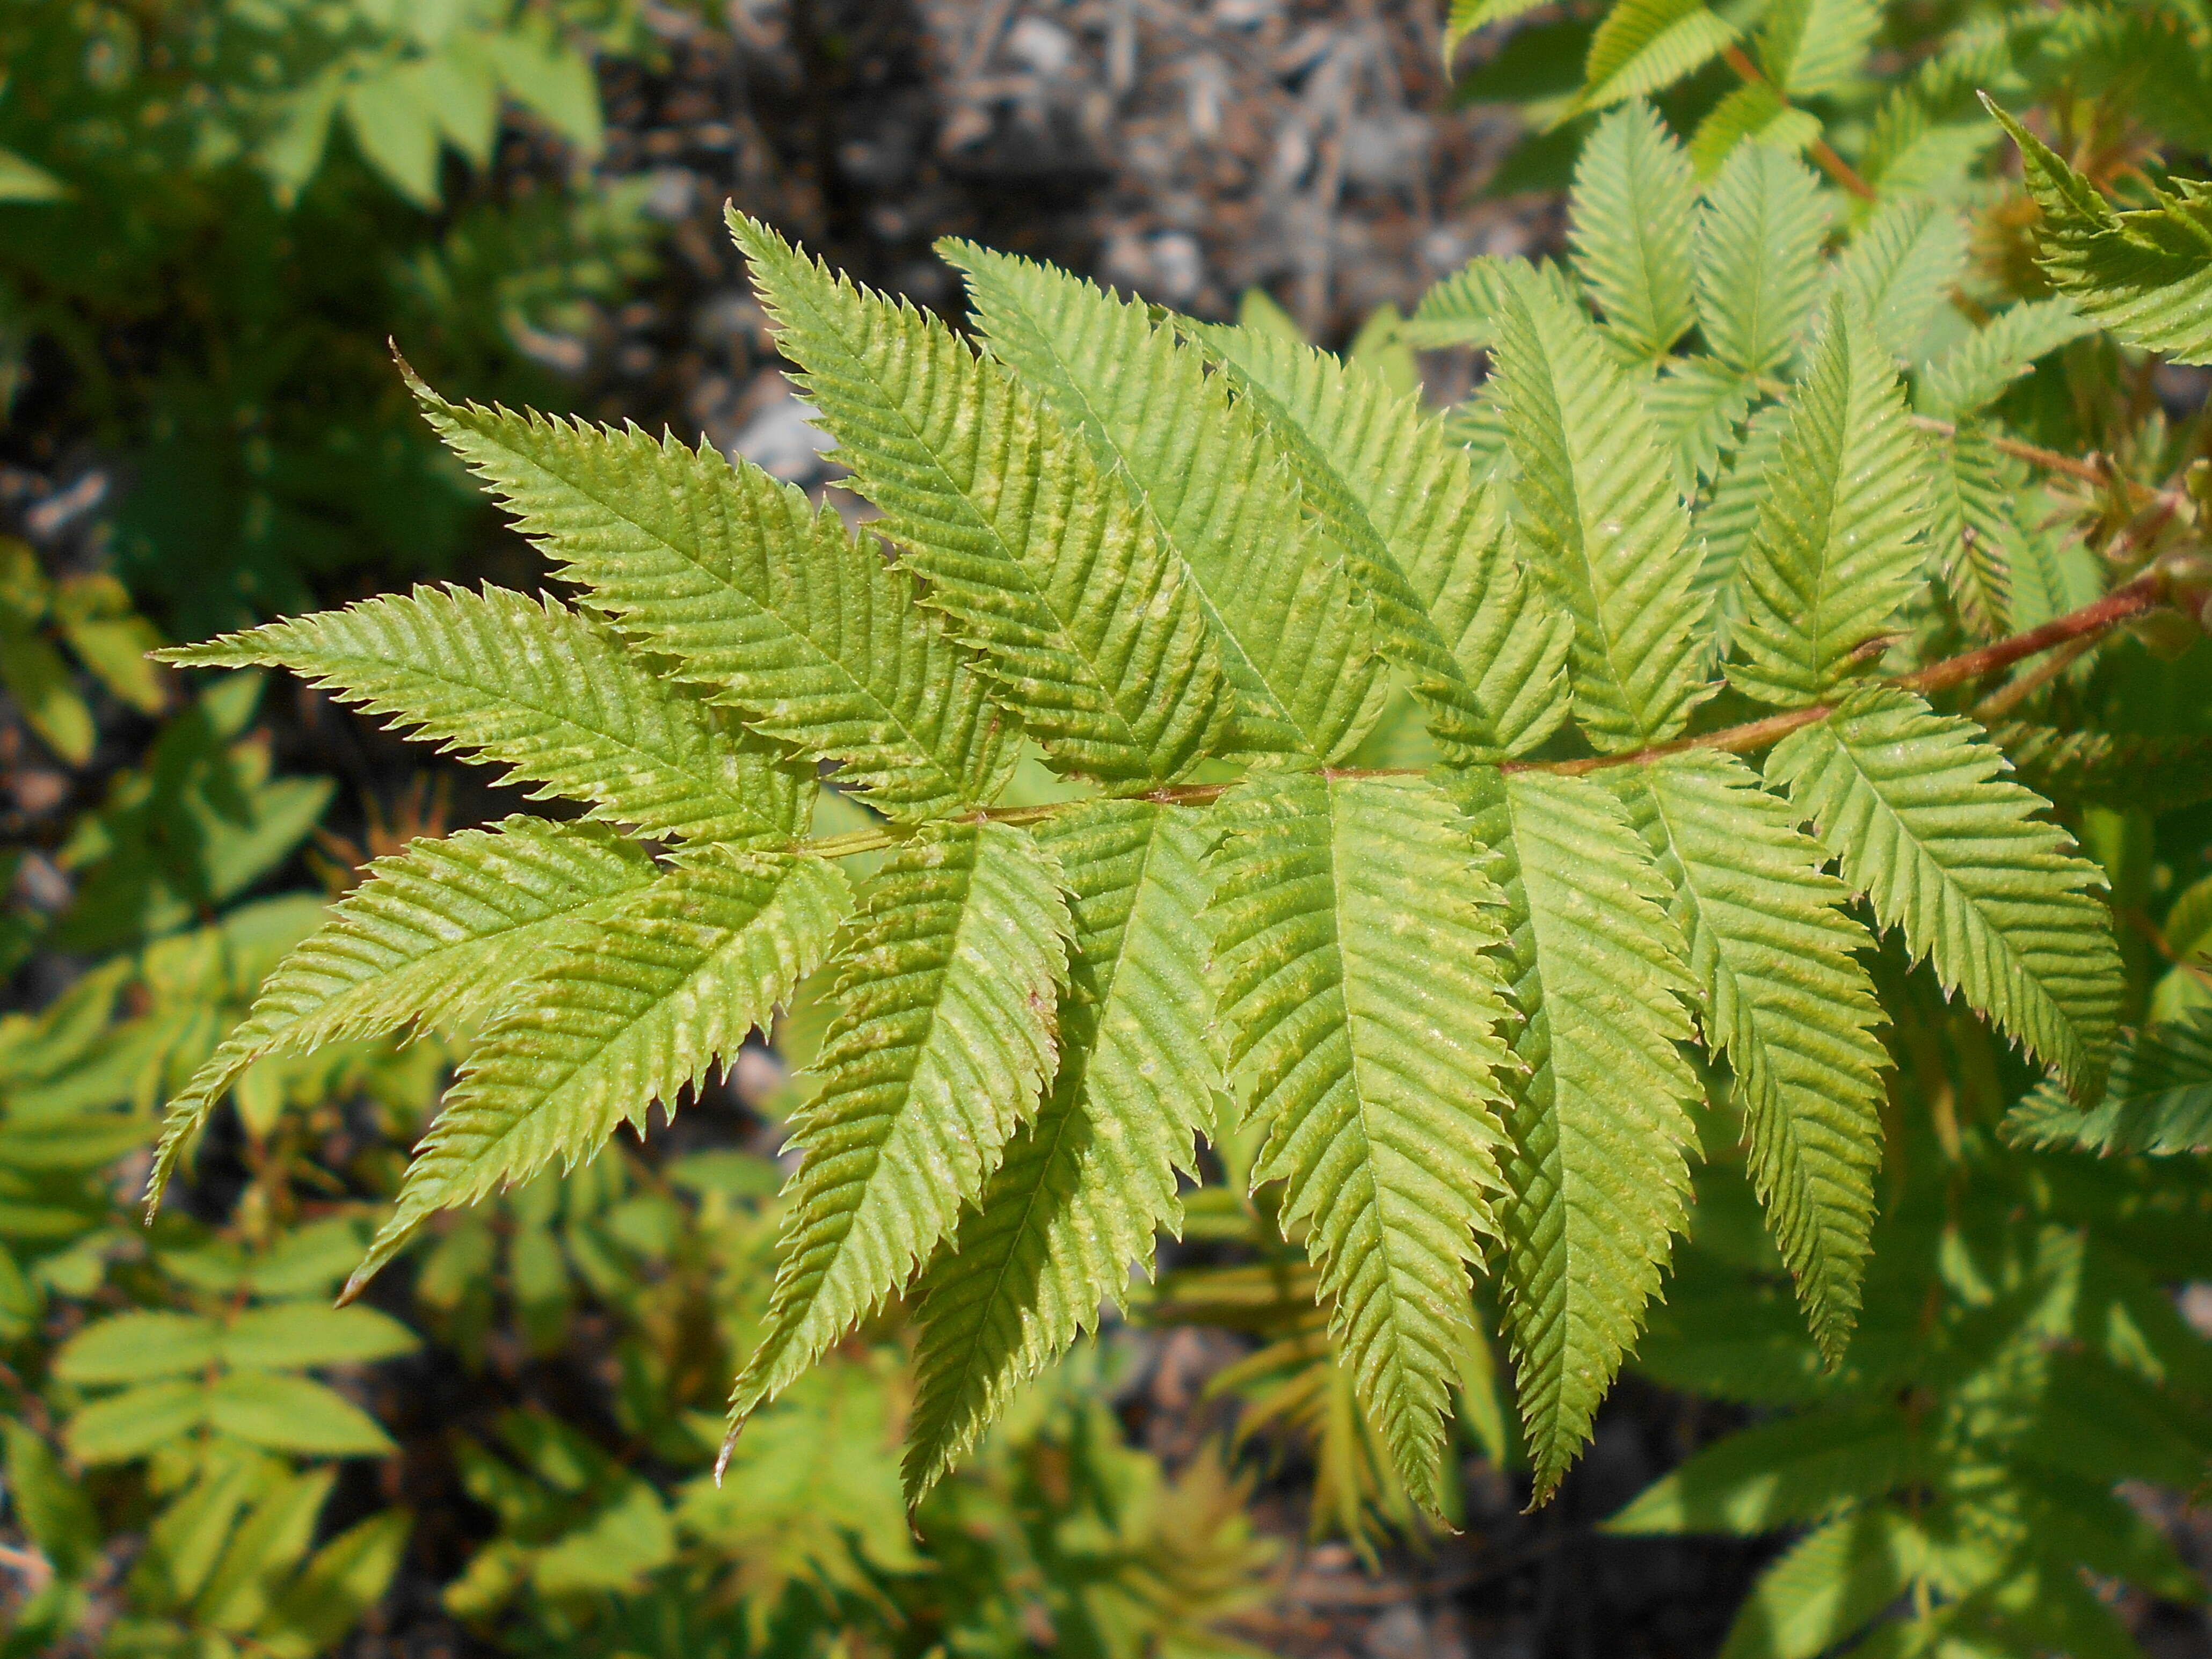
[[2076, 630], [2091, 470], [1829, 163]]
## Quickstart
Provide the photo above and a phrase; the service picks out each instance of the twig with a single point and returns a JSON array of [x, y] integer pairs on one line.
[[1829, 163], [2092, 470], [2006, 698], [2123, 604], [37, 1572]]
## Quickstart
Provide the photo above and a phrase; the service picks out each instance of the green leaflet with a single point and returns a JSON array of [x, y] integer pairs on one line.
[[1729, 517], [1606, 533], [1597, 1174], [1972, 532], [2123, 770], [763, 601], [1468, 15], [1088, 1184], [1754, 114], [1293, 637], [669, 984], [1695, 406], [948, 984], [542, 691], [2157, 1100], [1993, 898], [1836, 549], [1352, 940], [1831, 1583], [1423, 539], [1644, 44], [441, 933], [1041, 562], [2145, 276], [1811, 47], [1780, 1473], [1976, 371], [1758, 255], [1773, 949], [1633, 202], [1899, 268]]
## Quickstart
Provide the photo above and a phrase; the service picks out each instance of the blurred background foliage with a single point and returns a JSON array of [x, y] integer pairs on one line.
[[216, 215]]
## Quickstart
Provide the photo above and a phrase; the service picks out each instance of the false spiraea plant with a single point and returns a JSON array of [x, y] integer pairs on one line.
[[1688, 766]]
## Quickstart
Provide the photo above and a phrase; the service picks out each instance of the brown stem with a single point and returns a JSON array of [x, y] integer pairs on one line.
[[2091, 471], [1829, 163], [2008, 697], [2123, 604]]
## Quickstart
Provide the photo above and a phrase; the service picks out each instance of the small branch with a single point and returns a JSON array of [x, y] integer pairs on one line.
[[37, 1571], [2123, 604], [1829, 163], [2006, 698], [2092, 470]]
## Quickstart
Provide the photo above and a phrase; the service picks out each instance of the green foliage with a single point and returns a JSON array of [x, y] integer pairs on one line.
[[1573, 884], [1952, 1478], [230, 206], [2146, 276], [1112, 520]]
